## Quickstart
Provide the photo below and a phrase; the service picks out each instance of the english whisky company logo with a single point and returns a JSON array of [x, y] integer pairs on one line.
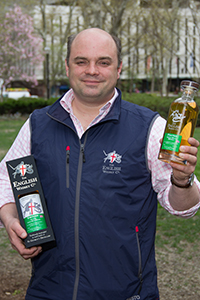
[[112, 162], [21, 169], [30, 208], [112, 157], [177, 116]]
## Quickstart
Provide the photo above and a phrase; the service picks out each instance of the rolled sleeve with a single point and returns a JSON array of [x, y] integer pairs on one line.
[[161, 172], [164, 201]]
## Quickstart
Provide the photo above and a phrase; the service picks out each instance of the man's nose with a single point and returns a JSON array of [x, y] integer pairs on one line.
[[92, 69]]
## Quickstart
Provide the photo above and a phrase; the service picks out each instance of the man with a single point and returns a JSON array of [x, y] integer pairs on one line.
[[102, 202]]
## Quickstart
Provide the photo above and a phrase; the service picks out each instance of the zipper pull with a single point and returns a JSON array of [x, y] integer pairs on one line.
[[82, 150]]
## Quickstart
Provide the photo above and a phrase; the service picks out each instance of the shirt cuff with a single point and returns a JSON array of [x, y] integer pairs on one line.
[[184, 214]]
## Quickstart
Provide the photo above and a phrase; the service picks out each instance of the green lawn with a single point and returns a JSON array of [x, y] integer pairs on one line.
[[167, 225], [9, 128], [174, 230]]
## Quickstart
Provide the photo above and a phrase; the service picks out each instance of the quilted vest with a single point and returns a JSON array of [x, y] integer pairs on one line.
[[101, 204]]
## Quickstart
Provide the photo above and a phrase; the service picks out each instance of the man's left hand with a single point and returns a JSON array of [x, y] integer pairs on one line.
[[189, 154]]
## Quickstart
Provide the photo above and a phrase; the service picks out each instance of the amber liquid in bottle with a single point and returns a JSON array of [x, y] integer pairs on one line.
[[180, 126]]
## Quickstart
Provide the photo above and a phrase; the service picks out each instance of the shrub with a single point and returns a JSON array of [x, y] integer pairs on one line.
[[23, 105], [154, 102]]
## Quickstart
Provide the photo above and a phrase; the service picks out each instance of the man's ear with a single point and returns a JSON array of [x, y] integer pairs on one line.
[[119, 70], [66, 68]]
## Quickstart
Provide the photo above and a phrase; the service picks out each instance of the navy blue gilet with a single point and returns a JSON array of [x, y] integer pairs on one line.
[[101, 204]]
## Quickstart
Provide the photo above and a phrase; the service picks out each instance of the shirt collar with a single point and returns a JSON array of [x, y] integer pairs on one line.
[[66, 101]]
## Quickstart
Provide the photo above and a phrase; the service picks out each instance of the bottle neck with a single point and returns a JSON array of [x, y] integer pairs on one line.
[[188, 95]]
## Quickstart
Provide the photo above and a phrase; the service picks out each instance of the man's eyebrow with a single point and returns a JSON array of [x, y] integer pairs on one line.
[[105, 57], [99, 58], [79, 57]]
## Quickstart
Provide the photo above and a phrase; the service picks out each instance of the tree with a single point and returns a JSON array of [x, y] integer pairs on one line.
[[21, 48], [54, 24]]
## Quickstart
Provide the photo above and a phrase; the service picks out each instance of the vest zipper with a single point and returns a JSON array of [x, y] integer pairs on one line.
[[82, 151], [67, 166], [140, 259], [76, 217]]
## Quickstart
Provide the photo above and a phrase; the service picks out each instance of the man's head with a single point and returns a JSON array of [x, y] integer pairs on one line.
[[115, 38], [93, 65]]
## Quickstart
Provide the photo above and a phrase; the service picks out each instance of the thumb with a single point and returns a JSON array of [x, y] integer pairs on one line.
[[19, 230]]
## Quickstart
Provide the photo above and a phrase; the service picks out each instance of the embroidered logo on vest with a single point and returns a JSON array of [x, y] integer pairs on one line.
[[110, 159]]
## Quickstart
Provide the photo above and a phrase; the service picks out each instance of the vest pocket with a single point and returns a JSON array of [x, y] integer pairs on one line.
[[140, 259], [137, 296]]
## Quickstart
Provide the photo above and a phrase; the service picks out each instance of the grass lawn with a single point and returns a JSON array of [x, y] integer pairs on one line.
[[9, 129], [167, 225], [173, 230]]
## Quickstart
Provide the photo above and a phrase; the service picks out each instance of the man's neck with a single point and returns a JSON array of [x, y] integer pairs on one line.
[[85, 113]]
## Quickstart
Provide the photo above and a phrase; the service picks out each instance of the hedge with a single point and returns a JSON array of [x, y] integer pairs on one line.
[[23, 105], [154, 102]]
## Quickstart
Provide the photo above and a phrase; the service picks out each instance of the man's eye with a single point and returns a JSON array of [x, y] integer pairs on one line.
[[80, 63], [104, 63]]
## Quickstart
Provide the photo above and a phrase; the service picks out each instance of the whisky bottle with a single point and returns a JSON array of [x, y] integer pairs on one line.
[[181, 123], [32, 212]]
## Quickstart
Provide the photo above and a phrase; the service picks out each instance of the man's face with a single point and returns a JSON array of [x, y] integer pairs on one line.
[[93, 66]]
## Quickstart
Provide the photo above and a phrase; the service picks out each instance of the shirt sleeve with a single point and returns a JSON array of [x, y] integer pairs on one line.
[[161, 171], [20, 147]]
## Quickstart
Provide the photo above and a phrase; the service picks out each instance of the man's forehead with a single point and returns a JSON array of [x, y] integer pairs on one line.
[[87, 39], [93, 32], [88, 48], [93, 44]]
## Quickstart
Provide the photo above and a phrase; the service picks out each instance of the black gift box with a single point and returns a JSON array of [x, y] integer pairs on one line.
[[30, 202]]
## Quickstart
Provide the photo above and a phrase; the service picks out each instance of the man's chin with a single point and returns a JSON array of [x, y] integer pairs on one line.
[[92, 92]]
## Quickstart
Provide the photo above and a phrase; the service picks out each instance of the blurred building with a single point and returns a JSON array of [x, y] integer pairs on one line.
[[145, 56]]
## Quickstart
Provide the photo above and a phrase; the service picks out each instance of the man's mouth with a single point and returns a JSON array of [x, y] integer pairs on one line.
[[91, 82]]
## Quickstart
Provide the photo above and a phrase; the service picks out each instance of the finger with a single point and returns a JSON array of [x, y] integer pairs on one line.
[[191, 159], [189, 149], [182, 171], [18, 230], [16, 236], [31, 253], [193, 142], [26, 253]]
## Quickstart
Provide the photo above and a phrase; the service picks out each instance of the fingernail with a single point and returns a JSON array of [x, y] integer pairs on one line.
[[23, 235], [182, 148]]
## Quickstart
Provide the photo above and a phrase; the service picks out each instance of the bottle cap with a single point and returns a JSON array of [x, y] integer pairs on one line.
[[188, 83]]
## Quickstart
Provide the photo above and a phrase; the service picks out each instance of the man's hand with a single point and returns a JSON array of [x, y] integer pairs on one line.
[[16, 233], [184, 198], [188, 153]]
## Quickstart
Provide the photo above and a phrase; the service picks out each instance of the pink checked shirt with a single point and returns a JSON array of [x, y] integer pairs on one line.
[[160, 171]]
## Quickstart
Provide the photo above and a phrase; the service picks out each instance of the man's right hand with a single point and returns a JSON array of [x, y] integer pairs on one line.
[[16, 234]]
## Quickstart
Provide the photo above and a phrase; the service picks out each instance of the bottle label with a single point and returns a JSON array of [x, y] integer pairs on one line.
[[32, 212], [171, 142]]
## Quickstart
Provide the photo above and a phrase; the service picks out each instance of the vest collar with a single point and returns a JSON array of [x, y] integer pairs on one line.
[[58, 113]]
